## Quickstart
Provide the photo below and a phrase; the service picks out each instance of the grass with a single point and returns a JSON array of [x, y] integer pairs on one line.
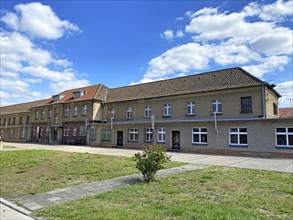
[[37, 171], [209, 193]]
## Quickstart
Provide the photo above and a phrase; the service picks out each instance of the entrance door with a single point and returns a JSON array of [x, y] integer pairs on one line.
[[119, 138], [176, 140]]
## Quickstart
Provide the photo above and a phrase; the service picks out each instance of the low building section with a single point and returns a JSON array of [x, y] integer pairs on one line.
[[225, 111]]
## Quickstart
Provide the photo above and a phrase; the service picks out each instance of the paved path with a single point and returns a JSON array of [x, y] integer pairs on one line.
[[34, 202], [271, 164]]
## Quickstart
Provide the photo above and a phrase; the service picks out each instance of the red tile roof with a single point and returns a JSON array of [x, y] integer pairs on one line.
[[285, 112], [23, 107]]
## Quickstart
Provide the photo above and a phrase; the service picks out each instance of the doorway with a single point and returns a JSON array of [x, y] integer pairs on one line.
[[176, 140], [120, 138]]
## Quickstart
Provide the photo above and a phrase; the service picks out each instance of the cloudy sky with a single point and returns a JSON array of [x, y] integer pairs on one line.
[[51, 46]]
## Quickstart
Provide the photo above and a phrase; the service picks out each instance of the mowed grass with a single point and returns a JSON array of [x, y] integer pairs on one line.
[[209, 193], [37, 171]]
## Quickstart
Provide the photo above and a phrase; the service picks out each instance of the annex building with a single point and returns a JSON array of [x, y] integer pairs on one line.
[[226, 111]]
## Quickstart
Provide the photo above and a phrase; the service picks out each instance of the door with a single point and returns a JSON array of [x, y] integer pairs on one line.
[[176, 140], [119, 138]]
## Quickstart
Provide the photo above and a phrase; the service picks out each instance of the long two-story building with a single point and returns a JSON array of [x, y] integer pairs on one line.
[[226, 111]]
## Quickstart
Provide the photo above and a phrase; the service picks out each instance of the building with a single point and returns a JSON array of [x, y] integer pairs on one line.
[[227, 111]]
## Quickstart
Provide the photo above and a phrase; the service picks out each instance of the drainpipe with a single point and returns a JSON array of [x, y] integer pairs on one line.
[[263, 106]]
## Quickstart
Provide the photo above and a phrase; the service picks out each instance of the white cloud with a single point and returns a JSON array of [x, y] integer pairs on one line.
[[38, 20], [276, 11], [167, 34], [286, 90]]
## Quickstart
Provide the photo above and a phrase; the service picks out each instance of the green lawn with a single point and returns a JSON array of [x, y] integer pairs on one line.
[[209, 193], [36, 171]]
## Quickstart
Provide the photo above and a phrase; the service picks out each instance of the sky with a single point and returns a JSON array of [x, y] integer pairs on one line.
[[51, 46]]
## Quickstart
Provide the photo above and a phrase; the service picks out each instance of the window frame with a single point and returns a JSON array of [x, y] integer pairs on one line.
[[133, 134], [167, 110], [200, 132], [246, 104], [106, 134], [129, 112], [161, 135], [287, 133], [84, 110], [147, 111], [190, 108], [75, 111], [149, 135], [66, 113], [218, 106], [238, 133]]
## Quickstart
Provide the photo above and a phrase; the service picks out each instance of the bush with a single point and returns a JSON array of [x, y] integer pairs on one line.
[[150, 161]]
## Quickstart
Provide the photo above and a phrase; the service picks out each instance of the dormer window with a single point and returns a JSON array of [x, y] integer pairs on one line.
[[78, 94], [56, 97]]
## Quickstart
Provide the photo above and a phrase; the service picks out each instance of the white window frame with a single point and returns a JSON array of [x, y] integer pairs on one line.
[[49, 113], [75, 111], [216, 106], [149, 135], [200, 132], [133, 134], [167, 110], [84, 110], [129, 112], [190, 108], [37, 114], [161, 135], [56, 120], [43, 114], [66, 114], [66, 131], [287, 133], [238, 133], [22, 132], [147, 111], [74, 132]]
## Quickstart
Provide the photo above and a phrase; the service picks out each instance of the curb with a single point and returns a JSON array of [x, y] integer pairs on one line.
[[16, 207]]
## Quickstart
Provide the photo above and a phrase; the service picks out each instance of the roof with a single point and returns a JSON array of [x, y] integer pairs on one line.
[[210, 81], [285, 112], [95, 92], [23, 107]]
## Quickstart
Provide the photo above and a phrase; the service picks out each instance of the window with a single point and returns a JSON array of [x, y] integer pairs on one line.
[[27, 119], [147, 111], [9, 119], [66, 114], [13, 121], [190, 108], [74, 132], [84, 108], [11, 133], [56, 120], [246, 104], [56, 97], [238, 136], [41, 132], [199, 136], [66, 131], [49, 113], [148, 135], [129, 112], [106, 136], [93, 132], [133, 134], [161, 135], [216, 106], [75, 110], [20, 120], [82, 131], [22, 133], [37, 114], [284, 137], [43, 114], [275, 108], [48, 131], [35, 132], [112, 113], [167, 110]]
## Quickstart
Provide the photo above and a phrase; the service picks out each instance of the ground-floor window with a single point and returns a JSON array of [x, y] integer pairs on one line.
[[74, 132], [161, 135], [22, 132], [284, 137], [66, 131], [133, 134], [93, 133], [148, 135], [106, 135], [82, 132], [199, 136], [238, 136]]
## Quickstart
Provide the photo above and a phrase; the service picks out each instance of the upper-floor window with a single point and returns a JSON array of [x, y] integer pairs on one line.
[[275, 108], [147, 111], [216, 106], [9, 121], [246, 104], [84, 109], [284, 137], [148, 135], [190, 108], [13, 121], [238, 136], [37, 114], [78, 94], [20, 120], [129, 112], [49, 113], [199, 136], [161, 135], [56, 120], [43, 114], [4, 121], [56, 97], [112, 113], [167, 110], [66, 113], [133, 134], [75, 110]]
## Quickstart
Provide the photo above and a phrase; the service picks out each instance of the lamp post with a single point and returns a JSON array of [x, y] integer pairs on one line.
[[112, 117]]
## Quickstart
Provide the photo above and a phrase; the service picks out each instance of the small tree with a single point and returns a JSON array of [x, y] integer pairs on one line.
[[150, 161]]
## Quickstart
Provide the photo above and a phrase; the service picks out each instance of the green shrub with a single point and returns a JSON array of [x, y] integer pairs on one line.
[[151, 161]]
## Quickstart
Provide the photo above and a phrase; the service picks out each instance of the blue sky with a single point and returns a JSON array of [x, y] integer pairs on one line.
[[51, 46]]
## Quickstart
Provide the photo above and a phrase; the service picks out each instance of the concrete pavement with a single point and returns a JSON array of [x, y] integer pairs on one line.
[[270, 164]]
